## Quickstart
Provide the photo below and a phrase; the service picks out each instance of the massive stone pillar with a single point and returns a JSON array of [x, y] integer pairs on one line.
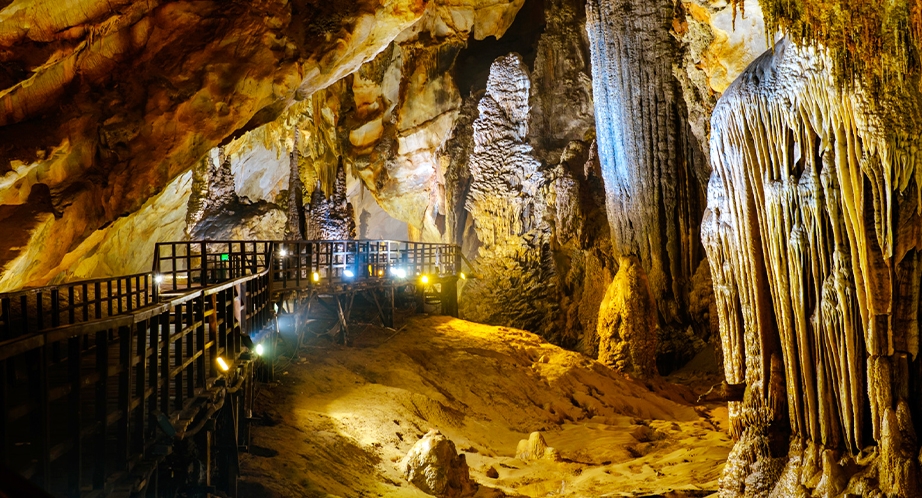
[[647, 152], [814, 239]]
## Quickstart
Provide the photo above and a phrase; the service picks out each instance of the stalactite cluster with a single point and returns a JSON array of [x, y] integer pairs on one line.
[[814, 237], [877, 43]]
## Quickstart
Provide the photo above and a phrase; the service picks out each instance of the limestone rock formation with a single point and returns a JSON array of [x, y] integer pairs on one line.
[[330, 217], [435, 467], [105, 103], [647, 153], [627, 323], [507, 205], [813, 235], [535, 448]]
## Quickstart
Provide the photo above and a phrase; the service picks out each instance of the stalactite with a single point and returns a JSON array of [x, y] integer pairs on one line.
[[812, 222]]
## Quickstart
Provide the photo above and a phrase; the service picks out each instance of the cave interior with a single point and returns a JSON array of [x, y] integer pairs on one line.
[[460, 248]]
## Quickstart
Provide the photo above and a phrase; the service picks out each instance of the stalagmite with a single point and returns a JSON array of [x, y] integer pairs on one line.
[[508, 206], [330, 217], [813, 233], [627, 322]]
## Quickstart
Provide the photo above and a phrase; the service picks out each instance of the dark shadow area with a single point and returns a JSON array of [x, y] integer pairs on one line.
[[472, 66]]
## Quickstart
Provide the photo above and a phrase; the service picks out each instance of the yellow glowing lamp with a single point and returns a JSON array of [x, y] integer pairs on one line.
[[259, 349], [424, 279], [462, 276], [316, 277], [370, 271], [223, 364], [380, 273]]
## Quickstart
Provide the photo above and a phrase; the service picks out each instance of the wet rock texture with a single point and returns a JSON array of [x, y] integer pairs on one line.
[[813, 235]]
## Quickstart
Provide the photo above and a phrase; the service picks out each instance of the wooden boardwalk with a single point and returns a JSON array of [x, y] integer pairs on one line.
[[102, 380]]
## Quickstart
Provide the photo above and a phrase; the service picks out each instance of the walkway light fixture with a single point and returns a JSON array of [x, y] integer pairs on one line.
[[315, 277], [348, 273], [424, 279], [158, 279], [462, 276], [260, 349], [223, 364], [283, 252]]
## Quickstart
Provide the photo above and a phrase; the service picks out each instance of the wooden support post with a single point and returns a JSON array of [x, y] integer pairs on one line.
[[449, 296], [124, 396], [381, 312], [164, 342], [102, 386], [178, 359], [75, 462], [342, 320], [200, 373], [140, 387], [152, 372], [189, 350]]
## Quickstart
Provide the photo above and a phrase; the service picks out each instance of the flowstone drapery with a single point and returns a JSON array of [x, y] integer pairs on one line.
[[813, 233]]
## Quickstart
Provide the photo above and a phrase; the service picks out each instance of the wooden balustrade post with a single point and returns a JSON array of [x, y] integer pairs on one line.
[[204, 264], [75, 460], [125, 334]]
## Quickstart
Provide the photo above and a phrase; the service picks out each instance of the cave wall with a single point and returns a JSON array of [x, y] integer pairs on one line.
[[106, 103]]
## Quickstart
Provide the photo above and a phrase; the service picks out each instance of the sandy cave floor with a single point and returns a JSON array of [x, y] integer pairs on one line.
[[338, 419]]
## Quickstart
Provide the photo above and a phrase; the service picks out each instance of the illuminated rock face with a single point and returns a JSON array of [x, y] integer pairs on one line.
[[627, 322], [533, 191], [646, 150], [106, 103], [507, 204], [813, 233]]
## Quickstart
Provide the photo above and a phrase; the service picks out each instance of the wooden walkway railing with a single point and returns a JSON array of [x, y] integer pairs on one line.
[[180, 266], [99, 378]]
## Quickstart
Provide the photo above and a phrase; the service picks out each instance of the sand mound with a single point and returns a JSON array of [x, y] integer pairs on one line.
[[344, 417]]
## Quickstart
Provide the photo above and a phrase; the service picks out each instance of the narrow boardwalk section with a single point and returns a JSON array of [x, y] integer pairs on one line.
[[108, 384]]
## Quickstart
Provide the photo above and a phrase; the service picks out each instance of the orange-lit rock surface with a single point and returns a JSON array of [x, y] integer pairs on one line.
[[106, 103], [340, 420]]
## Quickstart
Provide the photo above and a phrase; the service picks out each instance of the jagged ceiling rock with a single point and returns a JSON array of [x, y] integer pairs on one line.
[[106, 102], [814, 238]]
